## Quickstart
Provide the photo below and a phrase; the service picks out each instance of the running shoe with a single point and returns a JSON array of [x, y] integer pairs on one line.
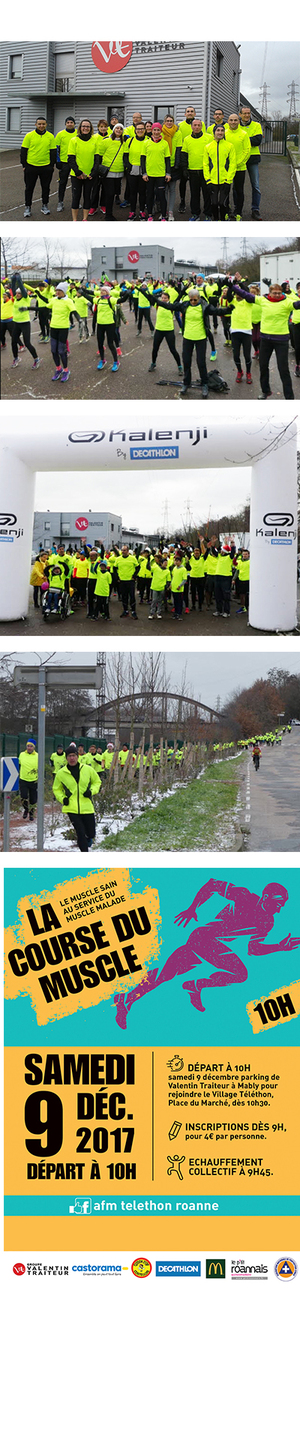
[[36, 363], [239, 374], [100, 365], [115, 367], [65, 374], [27, 211], [213, 356], [56, 375]]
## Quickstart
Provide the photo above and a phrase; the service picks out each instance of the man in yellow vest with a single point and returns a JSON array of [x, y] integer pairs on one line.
[[223, 577], [28, 766]]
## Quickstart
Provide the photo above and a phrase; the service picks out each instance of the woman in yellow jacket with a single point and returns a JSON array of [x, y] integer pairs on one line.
[[219, 168], [113, 151], [83, 160], [37, 576]]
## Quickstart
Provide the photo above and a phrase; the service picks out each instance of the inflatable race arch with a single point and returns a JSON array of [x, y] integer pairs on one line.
[[266, 444]]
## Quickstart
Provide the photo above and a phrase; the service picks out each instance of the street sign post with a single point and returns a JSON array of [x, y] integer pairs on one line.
[[9, 781], [81, 676]]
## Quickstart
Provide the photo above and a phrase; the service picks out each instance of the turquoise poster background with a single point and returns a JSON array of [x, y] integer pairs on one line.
[[166, 1015]]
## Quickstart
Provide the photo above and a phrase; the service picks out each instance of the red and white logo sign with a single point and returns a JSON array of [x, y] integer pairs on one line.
[[133, 256], [111, 55], [81, 524], [19, 1269]]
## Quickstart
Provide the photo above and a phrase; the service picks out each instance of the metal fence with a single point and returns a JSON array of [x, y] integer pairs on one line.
[[275, 139]]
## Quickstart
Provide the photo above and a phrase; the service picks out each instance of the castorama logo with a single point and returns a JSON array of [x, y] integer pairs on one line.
[[111, 55]]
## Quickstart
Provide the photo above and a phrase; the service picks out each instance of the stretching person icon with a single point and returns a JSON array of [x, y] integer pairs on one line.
[[245, 914]]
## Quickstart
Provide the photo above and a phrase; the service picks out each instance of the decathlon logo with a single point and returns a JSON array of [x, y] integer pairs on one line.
[[176, 1269], [6, 519], [111, 55], [278, 520]]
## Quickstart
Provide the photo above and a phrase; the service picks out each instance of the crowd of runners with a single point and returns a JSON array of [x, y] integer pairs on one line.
[[79, 772], [254, 325], [176, 578], [141, 165]]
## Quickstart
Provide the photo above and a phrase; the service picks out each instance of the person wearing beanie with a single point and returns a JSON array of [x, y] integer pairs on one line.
[[28, 774], [74, 786], [156, 170], [21, 321], [38, 156], [62, 146], [59, 307]]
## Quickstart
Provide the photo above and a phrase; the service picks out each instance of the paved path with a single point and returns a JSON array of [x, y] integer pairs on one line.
[[192, 625], [275, 797], [133, 379], [277, 204]]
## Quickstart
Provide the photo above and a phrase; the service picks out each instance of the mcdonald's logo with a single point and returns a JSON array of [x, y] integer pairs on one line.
[[215, 1267]]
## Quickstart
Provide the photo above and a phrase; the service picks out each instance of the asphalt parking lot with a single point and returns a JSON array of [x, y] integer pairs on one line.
[[133, 379]]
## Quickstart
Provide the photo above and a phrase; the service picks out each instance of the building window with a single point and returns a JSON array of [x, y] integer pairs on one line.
[[47, 527], [233, 82], [112, 527], [219, 64], [15, 67], [64, 72], [13, 119], [118, 111], [161, 111]]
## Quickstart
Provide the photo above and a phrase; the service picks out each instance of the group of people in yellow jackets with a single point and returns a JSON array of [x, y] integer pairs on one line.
[[176, 576], [152, 157], [254, 325]]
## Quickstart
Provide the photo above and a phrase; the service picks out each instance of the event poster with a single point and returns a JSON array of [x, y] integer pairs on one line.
[[152, 1053]]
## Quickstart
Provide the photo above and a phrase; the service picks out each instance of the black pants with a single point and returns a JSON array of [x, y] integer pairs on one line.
[[244, 340], [101, 605], [6, 326], [112, 189], [90, 596], [156, 185], [84, 826], [128, 594], [295, 336], [137, 189], [31, 174], [98, 192], [146, 313], [36, 594], [135, 307], [58, 340], [80, 588], [198, 185], [44, 321], [79, 186], [219, 196], [178, 605], [222, 593], [197, 589], [238, 191], [182, 187], [142, 585], [281, 347], [170, 340], [63, 179], [187, 353], [110, 333], [28, 792], [17, 329]]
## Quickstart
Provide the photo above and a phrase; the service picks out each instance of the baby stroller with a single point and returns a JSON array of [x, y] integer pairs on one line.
[[55, 602]]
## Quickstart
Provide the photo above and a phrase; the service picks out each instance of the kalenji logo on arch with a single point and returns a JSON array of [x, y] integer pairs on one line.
[[81, 524], [111, 55]]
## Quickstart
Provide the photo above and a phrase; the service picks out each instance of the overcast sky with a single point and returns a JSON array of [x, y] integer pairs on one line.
[[278, 69], [212, 493], [203, 251], [210, 676]]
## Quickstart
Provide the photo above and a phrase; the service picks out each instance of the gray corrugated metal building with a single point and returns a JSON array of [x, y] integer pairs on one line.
[[131, 261], [102, 78], [70, 528]]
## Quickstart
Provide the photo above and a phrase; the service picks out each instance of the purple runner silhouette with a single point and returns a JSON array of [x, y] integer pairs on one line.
[[245, 914]]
